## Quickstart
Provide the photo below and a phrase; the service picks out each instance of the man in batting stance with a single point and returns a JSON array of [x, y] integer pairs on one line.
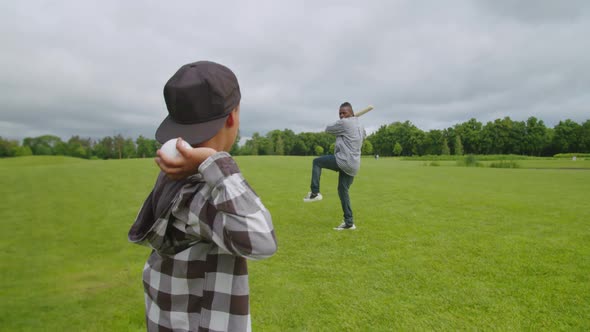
[[346, 160]]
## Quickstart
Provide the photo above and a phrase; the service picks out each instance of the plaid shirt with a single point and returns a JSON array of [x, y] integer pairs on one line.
[[202, 230]]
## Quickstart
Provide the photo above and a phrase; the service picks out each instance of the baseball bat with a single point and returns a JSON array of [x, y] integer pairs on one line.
[[366, 110]]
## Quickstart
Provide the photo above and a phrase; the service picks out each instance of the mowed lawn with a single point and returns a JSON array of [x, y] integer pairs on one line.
[[437, 248]]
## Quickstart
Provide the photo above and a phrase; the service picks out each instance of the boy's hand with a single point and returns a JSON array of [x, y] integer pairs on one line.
[[186, 164]]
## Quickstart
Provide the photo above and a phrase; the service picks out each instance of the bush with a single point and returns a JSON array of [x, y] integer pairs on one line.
[[434, 163], [571, 155], [469, 161], [318, 150], [480, 157], [505, 164], [21, 151]]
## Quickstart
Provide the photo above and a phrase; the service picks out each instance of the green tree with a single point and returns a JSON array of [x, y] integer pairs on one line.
[[551, 148], [566, 136], [500, 137], [235, 148], [42, 145], [536, 138], [275, 139], [458, 146], [146, 147], [78, 147], [517, 135], [366, 148], [584, 137], [416, 140], [249, 148], [8, 147], [129, 148], [310, 140], [432, 142], [257, 145], [470, 133], [118, 145], [280, 146], [61, 149], [21, 151], [444, 149], [104, 148], [397, 149], [299, 148], [265, 147], [318, 150], [406, 134], [289, 140], [381, 141]]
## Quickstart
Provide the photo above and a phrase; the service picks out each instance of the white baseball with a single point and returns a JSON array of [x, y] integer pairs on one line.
[[169, 148]]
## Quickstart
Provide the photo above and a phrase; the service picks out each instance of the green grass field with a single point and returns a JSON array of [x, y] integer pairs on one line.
[[437, 248]]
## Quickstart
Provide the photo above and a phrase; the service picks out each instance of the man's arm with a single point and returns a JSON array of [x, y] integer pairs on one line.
[[337, 128], [235, 218]]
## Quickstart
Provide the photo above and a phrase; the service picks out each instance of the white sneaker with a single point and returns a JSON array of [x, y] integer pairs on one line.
[[311, 197], [343, 226]]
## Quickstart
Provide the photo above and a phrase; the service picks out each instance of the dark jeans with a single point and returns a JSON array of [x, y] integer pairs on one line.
[[344, 183]]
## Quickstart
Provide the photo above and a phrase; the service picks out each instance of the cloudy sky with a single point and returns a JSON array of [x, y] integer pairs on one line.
[[97, 68]]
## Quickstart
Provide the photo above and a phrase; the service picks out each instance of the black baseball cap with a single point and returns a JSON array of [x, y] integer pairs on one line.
[[199, 97]]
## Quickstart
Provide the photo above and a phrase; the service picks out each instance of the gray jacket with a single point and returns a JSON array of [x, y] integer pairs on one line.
[[349, 140]]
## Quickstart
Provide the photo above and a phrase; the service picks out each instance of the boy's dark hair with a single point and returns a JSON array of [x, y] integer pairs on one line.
[[347, 104]]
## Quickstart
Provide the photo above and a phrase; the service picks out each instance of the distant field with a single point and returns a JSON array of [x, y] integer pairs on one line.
[[563, 164], [533, 163], [437, 248]]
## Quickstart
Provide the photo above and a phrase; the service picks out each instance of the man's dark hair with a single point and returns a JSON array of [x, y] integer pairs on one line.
[[347, 104]]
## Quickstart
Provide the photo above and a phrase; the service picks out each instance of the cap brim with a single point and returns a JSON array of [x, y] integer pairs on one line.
[[191, 133]]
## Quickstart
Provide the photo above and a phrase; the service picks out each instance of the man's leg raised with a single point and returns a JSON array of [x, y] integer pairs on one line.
[[329, 162]]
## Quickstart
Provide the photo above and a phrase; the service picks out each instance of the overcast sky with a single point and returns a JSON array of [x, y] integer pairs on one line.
[[97, 68]]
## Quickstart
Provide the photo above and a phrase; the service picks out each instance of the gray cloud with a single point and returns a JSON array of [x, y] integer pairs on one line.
[[97, 68], [539, 11]]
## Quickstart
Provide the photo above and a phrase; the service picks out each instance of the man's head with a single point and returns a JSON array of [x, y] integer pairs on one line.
[[345, 110], [203, 100]]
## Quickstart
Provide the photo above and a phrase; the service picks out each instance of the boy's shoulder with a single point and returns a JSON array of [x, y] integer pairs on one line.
[[218, 166], [211, 172], [167, 189]]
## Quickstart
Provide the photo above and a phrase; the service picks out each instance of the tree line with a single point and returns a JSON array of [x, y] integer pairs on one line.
[[116, 147], [501, 136]]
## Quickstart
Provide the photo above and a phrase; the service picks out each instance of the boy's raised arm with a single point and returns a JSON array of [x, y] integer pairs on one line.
[[186, 164], [238, 221]]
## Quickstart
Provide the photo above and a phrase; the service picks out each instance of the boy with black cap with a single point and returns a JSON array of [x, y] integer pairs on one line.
[[204, 220]]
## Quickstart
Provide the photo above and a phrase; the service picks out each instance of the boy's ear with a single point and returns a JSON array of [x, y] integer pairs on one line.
[[229, 121]]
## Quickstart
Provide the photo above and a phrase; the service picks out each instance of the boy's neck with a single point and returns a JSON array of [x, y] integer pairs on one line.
[[216, 143]]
